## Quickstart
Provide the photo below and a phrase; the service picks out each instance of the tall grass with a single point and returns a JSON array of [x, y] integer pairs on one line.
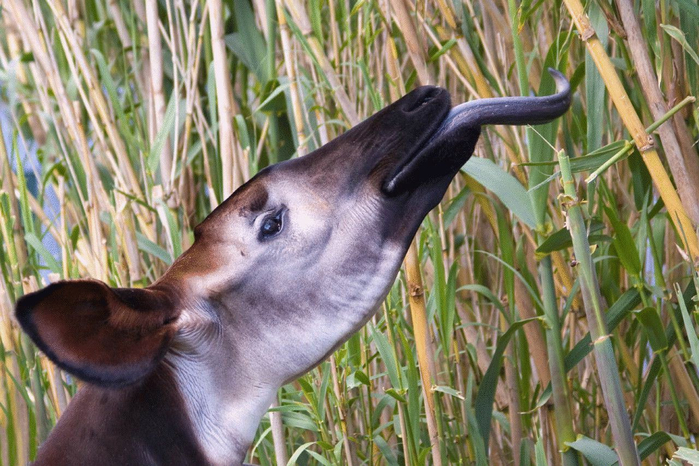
[[125, 123]]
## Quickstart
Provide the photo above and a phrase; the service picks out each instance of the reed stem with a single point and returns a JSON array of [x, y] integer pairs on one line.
[[608, 370]]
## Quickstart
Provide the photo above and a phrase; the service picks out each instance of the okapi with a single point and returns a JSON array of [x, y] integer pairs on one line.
[[279, 275]]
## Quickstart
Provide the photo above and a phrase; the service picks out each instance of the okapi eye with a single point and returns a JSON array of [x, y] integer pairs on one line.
[[271, 225]]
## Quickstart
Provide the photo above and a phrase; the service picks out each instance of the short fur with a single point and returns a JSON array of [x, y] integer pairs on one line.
[[181, 372]]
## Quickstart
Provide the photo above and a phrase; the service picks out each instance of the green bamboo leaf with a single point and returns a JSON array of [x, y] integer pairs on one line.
[[149, 247], [615, 314], [655, 330], [164, 133], [479, 444], [299, 420], [387, 356], [248, 44], [385, 450], [314, 12], [393, 393], [624, 244], [455, 206], [503, 185], [687, 454], [689, 7], [443, 49], [586, 163], [486, 293], [678, 35], [651, 443], [448, 390], [299, 451], [321, 459], [243, 134], [595, 88], [486, 392], [598, 454], [689, 327], [540, 453], [561, 239], [38, 246]]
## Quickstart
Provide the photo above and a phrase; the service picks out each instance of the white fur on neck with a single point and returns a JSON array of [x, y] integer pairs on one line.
[[224, 425]]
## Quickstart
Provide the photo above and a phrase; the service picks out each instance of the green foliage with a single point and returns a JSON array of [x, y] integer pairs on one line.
[[510, 341]]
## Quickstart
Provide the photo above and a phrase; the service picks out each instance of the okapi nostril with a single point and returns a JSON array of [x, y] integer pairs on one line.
[[422, 100]]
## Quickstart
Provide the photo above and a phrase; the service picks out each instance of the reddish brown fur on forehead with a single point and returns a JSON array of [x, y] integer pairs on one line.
[[253, 198], [249, 198]]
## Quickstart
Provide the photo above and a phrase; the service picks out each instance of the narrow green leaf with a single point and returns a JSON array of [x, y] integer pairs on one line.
[[687, 454], [448, 390], [561, 239], [678, 35], [651, 443], [503, 185], [624, 244], [690, 329], [655, 330], [486, 392], [615, 314], [168, 124], [385, 450], [598, 454], [486, 293], [149, 247], [299, 451], [39, 247], [386, 353]]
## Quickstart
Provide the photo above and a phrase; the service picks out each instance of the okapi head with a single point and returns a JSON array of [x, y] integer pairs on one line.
[[279, 275]]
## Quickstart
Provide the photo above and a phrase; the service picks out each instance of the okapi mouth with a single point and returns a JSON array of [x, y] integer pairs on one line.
[[453, 142]]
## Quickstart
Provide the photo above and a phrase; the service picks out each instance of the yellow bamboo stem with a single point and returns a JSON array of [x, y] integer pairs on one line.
[[291, 73], [418, 313], [155, 52], [300, 16], [416, 298], [224, 99], [644, 141]]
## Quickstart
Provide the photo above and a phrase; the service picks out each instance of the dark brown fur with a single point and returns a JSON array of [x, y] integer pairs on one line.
[[141, 425]]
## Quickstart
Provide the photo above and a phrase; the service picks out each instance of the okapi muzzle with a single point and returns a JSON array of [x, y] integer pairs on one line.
[[279, 275]]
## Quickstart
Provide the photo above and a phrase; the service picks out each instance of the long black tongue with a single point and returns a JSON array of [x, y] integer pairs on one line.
[[453, 143], [510, 110]]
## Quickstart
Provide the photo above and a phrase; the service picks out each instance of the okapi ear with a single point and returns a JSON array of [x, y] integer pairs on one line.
[[106, 336]]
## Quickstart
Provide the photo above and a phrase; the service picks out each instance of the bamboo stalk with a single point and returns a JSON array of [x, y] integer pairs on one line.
[[224, 99], [301, 18], [644, 141], [513, 411], [412, 40], [608, 370], [155, 52], [293, 82], [416, 300], [534, 334], [560, 390], [685, 170], [563, 416], [278, 438], [345, 421]]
